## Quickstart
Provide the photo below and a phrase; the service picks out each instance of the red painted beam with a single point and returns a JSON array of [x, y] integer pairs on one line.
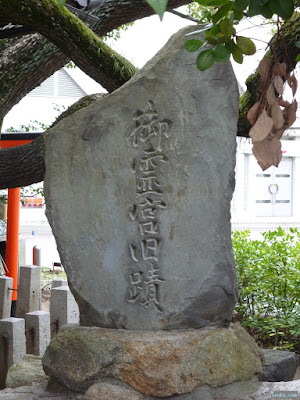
[[12, 143]]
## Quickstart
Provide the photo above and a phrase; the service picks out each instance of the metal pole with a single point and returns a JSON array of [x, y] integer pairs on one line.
[[12, 241]]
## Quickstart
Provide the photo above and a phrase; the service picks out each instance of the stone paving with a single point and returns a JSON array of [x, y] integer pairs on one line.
[[36, 392], [39, 391]]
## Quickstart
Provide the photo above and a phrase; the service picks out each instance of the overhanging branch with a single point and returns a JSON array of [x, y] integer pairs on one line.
[[36, 58], [73, 38]]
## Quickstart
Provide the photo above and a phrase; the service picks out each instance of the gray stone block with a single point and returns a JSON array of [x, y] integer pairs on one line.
[[279, 366], [63, 309], [29, 291], [59, 282], [37, 332], [12, 345], [6, 283], [146, 241]]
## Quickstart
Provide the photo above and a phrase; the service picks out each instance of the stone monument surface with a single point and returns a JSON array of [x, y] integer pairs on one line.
[[138, 189]]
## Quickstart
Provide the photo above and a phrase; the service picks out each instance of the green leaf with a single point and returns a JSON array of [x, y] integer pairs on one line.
[[266, 11], [222, 12], [284, 8], [61, 3], [255, 7], [298, 58], [202, 2], [193, 45], [159, 6], [217, 2], [245, 45], [240, 5], [238, 15], [224, 39], [205, 60], [214, 30], [237, 54], [226, 27], [211, 40], [221, 53]]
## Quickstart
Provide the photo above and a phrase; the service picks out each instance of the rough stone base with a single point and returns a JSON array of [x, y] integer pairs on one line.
[[26, 372], [234, 391], [279, 366], [250, 390], [162, 363]]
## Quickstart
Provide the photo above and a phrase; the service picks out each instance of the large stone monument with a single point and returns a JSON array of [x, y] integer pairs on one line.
[[138, 189]]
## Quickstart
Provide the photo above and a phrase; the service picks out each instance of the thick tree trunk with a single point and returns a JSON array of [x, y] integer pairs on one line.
[[23, 66], [22, 165], [33, 58], [73, 38]]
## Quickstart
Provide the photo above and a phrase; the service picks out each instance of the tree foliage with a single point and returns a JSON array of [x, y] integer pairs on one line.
[[270, 115]]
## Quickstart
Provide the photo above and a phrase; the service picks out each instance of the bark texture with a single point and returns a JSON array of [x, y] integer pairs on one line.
[[73, 38], [22, 165], [33, 58]]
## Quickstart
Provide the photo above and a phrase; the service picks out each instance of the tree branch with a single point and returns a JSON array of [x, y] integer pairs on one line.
[[37, 58], [36, 50], [13, 31], [181, 15], [22, 165], [73, 38], [24, 65]]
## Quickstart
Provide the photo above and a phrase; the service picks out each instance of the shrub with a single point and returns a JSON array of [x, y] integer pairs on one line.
[[268, 273]]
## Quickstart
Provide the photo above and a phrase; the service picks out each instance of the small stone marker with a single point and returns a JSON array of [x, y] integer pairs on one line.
[[37, 325], [29, 292], [63, 309], [6, 284], [13, 331], [147, 176], [58, 283]]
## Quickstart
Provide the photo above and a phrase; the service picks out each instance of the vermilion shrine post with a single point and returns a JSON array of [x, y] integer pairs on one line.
[[13, 212]]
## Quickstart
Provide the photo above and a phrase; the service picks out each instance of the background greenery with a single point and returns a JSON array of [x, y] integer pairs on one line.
[[268, 273]]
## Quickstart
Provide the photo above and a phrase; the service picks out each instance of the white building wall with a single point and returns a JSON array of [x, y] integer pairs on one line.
[[53, 96], [250, 188]]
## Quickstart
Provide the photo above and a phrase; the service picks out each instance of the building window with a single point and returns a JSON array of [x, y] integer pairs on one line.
[[273, 190]]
